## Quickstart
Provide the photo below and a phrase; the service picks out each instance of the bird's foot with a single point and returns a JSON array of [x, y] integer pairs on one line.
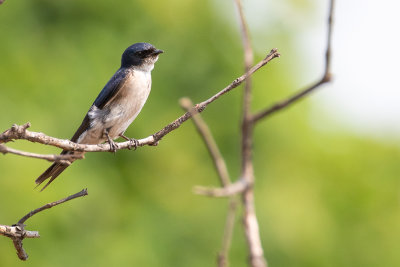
[[113, 145], [132, 142]]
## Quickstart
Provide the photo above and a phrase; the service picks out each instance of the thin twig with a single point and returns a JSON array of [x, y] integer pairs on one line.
[[246, 123], [52, 204], [201, 106], [21, 132], [205, 133], [235, 188], [329, 40], [248, 61], [222, 259], [17, 232], [222, 170], [64, 159], [326, 77], [250, 222]]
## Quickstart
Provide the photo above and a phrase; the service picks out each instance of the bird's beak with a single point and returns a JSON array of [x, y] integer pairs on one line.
[[157, 52]]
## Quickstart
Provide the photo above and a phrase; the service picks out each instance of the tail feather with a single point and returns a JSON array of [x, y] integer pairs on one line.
[[57, 168], [52, 172]]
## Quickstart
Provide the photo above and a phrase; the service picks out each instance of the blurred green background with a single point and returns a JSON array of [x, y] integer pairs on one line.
[[323, 197]]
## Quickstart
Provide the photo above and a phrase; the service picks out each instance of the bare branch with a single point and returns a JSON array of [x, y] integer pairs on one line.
[[233, 189], [248, 57], [205, 133], [248, 60], [329, 41], [64, 159], [287, 102], [222, 259], [326, 77], [201, 106], [222, 170], [17, 232], [52, 204], [250, 220], [19, 248], [246, 124], [252, 234]]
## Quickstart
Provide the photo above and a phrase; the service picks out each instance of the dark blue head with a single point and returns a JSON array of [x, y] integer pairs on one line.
[[140, 54]]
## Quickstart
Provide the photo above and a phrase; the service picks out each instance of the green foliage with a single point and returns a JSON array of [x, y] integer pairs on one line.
[[323, 198]]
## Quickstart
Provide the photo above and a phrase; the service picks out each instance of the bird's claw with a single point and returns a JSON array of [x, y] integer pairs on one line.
[[133, 143], [113, 146]]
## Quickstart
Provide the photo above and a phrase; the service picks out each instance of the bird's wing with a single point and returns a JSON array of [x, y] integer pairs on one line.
[[106, 95], [84, 126], [112, 87]]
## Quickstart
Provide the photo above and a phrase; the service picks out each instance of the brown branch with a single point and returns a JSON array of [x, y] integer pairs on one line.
[[328, 57], [248, 60], [21, 132], [244, 185], [246, 115], [17, 232], [222, 258], [246, 141], [326, 77], [205, 133], [64, 159], [250, 220], [256, 254], [235, 188], [52, 204], [222, 170], [201, 106]]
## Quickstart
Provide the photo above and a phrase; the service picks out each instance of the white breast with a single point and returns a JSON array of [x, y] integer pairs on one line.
[[126, 108], [122, 109]]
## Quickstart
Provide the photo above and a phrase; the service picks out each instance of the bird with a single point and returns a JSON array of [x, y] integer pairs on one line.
[[116, 106]]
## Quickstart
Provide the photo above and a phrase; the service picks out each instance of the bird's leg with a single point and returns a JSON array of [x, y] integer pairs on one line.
[[113, 145], [133, 142]]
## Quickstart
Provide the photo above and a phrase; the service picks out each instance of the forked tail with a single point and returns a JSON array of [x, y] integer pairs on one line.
[[52, 172]]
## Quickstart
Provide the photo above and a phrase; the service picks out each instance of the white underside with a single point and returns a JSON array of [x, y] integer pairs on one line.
[[121, 110]]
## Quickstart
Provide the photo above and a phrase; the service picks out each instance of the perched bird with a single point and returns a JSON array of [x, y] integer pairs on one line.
[[117, 105]]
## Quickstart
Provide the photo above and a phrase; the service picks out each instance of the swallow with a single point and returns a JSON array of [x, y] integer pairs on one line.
[[116, 107]]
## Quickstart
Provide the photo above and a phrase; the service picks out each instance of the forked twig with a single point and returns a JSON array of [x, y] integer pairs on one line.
[[17, 232], [326, 77], [222, 170]]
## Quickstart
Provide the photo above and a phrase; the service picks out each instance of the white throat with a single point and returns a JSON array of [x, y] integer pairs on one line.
[[148, 64]]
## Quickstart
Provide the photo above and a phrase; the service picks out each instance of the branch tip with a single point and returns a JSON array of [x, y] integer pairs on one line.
[[17, 232], [230, 190]]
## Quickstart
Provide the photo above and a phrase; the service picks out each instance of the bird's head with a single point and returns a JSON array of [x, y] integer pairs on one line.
[[140, 55]]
